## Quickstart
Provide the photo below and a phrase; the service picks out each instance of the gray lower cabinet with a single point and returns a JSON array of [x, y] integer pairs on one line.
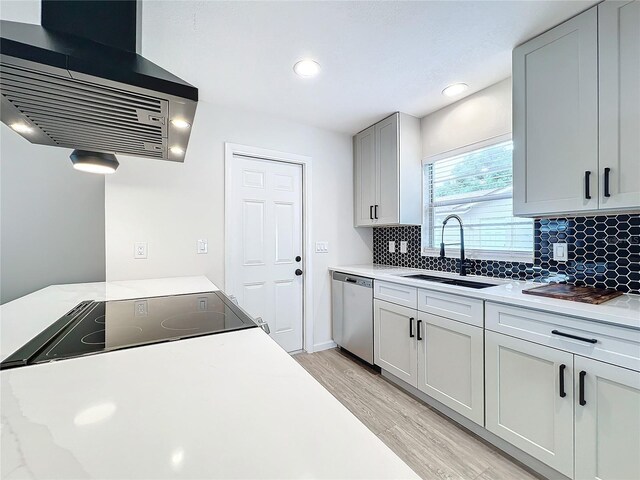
[[450, 364], [439, 356], [529, 398], [395, 340], [578, 415], [607, 421]]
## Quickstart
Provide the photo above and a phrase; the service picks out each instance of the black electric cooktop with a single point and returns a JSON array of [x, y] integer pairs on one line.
[[97, 327]]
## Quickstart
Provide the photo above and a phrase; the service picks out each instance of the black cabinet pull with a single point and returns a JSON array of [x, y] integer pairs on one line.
[[562, 392], [411, 335], [583, 374], [587, 182], [607, 170], [575, 337], [370, 212], [419, 330], [375, 209]]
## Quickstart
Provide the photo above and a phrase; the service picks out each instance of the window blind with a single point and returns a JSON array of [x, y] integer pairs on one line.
[[477, 186]]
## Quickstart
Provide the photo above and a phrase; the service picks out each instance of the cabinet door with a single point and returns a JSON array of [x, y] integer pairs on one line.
[[365, 176], [387, 158], [395, 340], [608, 422], [555, 119], [619, 57], [451, 364], [524, 399]]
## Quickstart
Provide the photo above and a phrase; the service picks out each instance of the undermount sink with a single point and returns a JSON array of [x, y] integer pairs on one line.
[[460, 282]]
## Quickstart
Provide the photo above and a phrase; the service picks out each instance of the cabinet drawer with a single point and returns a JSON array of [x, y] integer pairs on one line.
[[396, 293], [463, 309], [616, 345]]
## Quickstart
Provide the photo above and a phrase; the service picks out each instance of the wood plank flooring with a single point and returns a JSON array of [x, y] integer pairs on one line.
[[432, 445]]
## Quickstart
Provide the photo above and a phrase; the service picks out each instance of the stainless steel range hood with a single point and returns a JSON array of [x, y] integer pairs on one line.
[[77, 82]]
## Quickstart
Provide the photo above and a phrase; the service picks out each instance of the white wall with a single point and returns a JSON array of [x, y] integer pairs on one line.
[[51, 219], [478, 117], [171, 205]]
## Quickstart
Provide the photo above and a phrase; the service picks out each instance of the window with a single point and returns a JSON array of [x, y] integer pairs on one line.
[[476, 185]]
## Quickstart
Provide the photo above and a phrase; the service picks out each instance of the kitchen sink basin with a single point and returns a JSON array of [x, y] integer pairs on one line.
[[460, 282]]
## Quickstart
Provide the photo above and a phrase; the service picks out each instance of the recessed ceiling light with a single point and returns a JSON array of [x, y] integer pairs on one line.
[[21, 127], [307, 68], [177, 150], [181, 124], [455, 89], [94, 162]]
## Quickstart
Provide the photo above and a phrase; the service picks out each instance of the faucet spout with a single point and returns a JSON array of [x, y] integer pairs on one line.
[[463, 265]]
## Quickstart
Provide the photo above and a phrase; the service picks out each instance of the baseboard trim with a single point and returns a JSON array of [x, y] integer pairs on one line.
[[531, 463], [318, 347]]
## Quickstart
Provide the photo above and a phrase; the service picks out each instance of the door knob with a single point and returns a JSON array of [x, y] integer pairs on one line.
[[298, 258], [298, 272]]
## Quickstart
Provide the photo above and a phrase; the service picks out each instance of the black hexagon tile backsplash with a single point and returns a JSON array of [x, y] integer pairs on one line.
[[603, 251]]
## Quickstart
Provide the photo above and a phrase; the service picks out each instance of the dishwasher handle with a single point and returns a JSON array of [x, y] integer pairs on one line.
[[352, 279]]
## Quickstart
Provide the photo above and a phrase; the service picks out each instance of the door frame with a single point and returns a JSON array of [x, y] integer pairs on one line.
[[231, 149]]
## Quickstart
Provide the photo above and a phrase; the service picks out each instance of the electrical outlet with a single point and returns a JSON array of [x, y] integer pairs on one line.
[[322, 247], [392, 246], [560, 252], [202, 247], [140, 250], [403, 247]]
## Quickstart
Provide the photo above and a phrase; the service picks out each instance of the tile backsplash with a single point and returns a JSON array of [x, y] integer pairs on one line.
[[603, 251]]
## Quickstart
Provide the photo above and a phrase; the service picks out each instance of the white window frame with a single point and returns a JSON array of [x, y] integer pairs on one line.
[[472, 253]]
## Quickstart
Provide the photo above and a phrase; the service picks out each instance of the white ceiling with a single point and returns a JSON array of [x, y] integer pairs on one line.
[[376, 57]]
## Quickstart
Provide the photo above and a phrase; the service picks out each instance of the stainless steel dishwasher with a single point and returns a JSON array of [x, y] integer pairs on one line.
[[352, 310]]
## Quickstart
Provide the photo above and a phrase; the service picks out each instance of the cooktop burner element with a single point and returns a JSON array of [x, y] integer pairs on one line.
[[98, 327]]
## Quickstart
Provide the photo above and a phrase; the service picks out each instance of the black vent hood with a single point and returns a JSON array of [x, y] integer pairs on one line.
[[77, 82]]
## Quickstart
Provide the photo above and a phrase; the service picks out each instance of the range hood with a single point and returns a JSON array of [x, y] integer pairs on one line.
[[77, 81]]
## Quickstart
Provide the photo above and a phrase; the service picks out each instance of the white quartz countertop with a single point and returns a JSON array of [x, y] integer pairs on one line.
[[622, 311], [231, 405]]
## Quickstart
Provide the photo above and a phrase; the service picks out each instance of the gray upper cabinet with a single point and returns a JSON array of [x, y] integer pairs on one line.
[[555, 119], [388, 173], [364, 146], [619, 57], [576, 115]]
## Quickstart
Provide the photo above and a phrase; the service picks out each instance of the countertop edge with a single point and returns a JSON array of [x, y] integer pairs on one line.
[[515, 298]]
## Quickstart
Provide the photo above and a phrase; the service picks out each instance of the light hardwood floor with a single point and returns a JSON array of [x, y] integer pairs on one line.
[[432, 445]]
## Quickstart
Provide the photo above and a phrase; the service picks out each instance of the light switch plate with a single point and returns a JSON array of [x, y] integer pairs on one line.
[[140, 250], [392, 246], [203, 247], [560, 252], [322, 247], [403, 247]]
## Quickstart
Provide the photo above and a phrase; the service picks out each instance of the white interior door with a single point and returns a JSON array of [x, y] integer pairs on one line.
[[265, 244]]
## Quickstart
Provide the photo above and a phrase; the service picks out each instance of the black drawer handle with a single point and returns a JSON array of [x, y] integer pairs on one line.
[[411, 335], [587, 184], [575, 337], [607, 170], [419, 330], [370, 212], [583, 401], [562, 392], [375, 210]]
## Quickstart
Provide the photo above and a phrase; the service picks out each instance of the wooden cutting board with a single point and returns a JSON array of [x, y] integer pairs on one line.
[[563, 291]]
